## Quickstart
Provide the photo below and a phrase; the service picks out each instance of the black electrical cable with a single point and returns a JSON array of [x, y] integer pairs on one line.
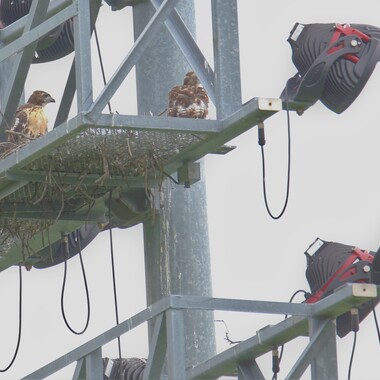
[[355, 328], [286, 316], [66, 253], [275, 363], [376, 321], [171, 178], [352, 356], [101, 64], [262, 143], [19, 323], [113, 272]]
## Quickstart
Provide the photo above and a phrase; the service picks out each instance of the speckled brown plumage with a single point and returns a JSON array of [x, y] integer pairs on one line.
[[188, 100], [30, 120]]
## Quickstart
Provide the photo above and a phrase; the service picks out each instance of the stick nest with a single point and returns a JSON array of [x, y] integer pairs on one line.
[[96, 153]]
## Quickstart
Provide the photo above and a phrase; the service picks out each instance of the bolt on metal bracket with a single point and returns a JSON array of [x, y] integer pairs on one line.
[[270, 104]]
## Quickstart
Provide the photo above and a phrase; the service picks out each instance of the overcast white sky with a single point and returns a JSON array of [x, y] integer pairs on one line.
[[334, 196]]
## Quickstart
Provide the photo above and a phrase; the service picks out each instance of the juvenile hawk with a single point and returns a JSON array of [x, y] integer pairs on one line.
[[30, 120], [189, 100]]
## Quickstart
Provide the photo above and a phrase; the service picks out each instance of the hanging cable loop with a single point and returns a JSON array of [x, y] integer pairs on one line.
[[19, 323], [262, 143], [66, 255]]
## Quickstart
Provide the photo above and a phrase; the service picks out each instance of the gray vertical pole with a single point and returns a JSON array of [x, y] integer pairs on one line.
[[83, 72], [177, 258], [226, 56], [324, 365]]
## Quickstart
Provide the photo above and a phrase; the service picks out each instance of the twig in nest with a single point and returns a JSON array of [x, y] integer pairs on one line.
[[162, 112], [20, 134], [9, 147], [129, 147], [60, 188], [100, 181], [62, 207], [227, 338], [47, 180]]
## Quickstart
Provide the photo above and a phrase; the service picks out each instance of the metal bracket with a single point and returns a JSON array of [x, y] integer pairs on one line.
[[189, 173], [270, 104]]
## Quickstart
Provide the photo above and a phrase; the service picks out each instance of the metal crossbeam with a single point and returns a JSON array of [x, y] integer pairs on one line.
[[219, 133], [274, 336], [101, 340], [227, 362]]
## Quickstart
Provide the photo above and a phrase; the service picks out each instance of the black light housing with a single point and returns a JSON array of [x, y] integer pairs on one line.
[[56, 44], [334, 62], [330, 265]]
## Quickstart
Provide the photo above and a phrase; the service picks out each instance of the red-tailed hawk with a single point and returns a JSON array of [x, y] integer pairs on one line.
[[189, 100], [30, 120]]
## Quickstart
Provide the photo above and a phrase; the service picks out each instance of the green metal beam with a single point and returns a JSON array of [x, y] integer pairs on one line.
[[247, 117], [152, 123], [102, 339], [13, 176], [22, 176], [285, 331]]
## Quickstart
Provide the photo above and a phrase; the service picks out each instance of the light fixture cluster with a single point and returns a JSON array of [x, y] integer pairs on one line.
[[334, 62]]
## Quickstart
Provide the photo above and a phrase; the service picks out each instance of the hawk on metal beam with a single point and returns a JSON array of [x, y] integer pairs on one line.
[[188, 100], [30, 120]]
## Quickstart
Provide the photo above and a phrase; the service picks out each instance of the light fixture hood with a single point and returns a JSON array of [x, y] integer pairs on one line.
[[334, 62]]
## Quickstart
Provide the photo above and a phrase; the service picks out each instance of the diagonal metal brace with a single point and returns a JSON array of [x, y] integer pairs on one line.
[[249, 370], [141, 44], [190, 50], [157, 349], [316, 343], [22, 64]]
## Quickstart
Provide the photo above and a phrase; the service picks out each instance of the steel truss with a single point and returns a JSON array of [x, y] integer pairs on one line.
[[25, 167], [315, 320]]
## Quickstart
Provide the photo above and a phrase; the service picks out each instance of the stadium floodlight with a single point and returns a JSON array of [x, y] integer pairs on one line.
[[334, 62], [331, 265]]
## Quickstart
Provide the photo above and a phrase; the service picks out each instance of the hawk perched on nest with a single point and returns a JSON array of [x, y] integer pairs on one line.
[[189, 100], [30, 120]]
